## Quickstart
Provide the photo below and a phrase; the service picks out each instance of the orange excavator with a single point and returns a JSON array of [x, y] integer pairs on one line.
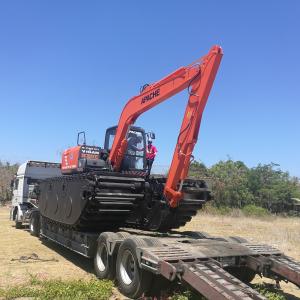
[[108, 188]]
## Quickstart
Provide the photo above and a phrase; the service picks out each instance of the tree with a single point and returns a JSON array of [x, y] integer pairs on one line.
[[7, 172], [230, 184], [235, 185], [198, 170], [272, 188]]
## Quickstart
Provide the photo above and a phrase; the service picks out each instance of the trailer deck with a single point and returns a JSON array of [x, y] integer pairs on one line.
[[215, 267], [202, 264]]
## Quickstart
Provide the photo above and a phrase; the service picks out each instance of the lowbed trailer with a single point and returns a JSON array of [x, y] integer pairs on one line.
[[149, 264]]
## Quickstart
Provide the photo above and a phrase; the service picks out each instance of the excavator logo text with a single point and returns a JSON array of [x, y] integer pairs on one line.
[[151, 96]]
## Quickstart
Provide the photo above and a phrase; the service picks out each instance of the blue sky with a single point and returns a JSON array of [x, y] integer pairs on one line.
[[67, 66]]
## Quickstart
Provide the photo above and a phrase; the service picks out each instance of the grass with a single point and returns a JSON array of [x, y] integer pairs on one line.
[[246, 211], [255, 211], [187, 295], [58, 289], [267, 290], [99, 290]]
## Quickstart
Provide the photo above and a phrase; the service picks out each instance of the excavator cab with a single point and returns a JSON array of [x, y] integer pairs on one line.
[[135, 156]]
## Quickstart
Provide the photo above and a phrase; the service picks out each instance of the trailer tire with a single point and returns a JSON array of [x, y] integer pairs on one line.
[[123, 234], [161, 286], [242, 273], [34, 224], [104, 263], [238, 239], [133, 281]]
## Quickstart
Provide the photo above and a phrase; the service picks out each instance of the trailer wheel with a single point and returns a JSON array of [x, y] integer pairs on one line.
[[161, 286], [133, 282], [18, 223], [34, 224], [244, 274], [104, 264], [123, 234]]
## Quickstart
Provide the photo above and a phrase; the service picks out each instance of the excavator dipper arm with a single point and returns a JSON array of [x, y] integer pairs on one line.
[[198, 78]]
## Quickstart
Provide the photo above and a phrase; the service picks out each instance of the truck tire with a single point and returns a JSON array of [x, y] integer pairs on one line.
[[18, 223], [34, 224], [105, 264], [133, 282]]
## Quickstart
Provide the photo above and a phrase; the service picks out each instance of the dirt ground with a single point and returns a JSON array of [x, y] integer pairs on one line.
[[55, 262], [16, 246]]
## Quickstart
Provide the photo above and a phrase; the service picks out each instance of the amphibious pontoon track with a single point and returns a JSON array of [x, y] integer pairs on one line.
[[106, 200]]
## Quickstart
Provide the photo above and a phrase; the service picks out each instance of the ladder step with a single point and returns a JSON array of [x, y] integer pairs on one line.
[[215, 283]]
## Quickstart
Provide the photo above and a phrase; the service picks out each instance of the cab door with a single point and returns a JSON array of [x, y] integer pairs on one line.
[[18, 190]]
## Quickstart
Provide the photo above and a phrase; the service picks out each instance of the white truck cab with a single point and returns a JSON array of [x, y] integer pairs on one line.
[[29, 174]]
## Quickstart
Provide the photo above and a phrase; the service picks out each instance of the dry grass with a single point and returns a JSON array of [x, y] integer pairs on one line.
[[282, 233], [16, 243], [61, 263]]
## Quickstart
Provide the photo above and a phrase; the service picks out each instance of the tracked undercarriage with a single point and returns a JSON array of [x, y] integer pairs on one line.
[[105, 200]]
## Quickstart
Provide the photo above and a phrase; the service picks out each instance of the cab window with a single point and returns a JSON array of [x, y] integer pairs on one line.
[[134, 157]]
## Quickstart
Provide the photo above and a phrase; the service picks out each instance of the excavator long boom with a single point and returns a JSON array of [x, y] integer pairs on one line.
[[198, 78]]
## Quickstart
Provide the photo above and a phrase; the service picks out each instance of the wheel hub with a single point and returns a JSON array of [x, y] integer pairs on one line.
[[127, 267], [102, 257]]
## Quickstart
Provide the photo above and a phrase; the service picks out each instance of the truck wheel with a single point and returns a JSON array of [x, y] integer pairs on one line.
[[17, 221], [34, 225], [133, 282], [104, 264]]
